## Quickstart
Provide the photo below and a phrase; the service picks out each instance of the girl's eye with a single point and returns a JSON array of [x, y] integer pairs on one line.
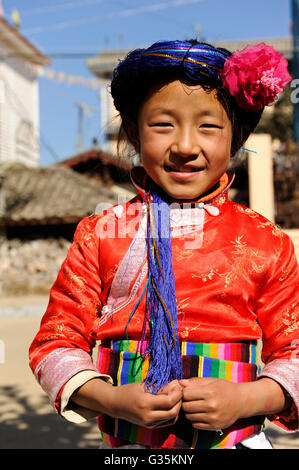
[[161, 124], [207, 125]]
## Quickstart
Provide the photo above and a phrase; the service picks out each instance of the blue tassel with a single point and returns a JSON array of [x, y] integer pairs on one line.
[[164, 348]]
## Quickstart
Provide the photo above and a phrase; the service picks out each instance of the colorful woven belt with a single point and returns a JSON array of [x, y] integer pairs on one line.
[[124, 361]]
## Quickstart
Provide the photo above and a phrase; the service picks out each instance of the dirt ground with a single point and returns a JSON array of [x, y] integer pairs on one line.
[[27, 421]]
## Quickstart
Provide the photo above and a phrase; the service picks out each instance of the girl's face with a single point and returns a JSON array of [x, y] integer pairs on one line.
[[184, 139]]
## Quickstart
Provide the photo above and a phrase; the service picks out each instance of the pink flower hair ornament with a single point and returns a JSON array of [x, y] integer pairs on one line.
[[255, 75]]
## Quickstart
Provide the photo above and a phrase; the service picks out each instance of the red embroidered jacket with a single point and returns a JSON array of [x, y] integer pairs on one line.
[[236, 279]]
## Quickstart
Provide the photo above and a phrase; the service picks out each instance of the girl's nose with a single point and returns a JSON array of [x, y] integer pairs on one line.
[[185, 145]]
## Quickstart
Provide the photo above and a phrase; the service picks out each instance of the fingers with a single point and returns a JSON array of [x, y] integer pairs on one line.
[[162, 423], [162, 417], [169, 403], [210, 403], [171, 387], [202, 414], [165, 406], [170, 396], [193, 389], [198, 403], [174, 385], [200, 388]]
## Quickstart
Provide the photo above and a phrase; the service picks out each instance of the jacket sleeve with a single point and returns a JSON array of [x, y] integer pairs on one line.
[[63, 346], [277, 312]]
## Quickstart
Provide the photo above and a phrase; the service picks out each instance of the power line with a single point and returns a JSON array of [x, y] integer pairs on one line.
[[120, 14], [57, 7], [53, 55], [162, 17]]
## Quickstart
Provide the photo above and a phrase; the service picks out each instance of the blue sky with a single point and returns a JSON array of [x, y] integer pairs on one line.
[[84, 28]]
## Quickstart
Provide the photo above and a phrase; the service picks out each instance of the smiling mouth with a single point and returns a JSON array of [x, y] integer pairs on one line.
[[183, 169]]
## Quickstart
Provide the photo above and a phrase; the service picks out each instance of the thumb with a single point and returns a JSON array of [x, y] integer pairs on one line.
[[174, 386], [171, 387], [186, 382]]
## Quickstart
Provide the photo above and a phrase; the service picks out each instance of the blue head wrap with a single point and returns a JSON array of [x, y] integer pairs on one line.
[[197, 61]]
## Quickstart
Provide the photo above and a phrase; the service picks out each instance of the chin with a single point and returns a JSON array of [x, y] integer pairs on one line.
[[186, 195], [179, 191]]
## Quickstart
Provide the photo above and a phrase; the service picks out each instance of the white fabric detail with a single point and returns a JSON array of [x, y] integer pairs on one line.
[[59, 366], [258, 441], [212, 210], [71, 411]]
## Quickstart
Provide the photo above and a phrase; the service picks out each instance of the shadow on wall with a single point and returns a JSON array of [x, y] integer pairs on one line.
[[25, 424]]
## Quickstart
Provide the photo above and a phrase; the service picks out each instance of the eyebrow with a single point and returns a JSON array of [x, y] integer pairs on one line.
[[162, 111], [171, 112]]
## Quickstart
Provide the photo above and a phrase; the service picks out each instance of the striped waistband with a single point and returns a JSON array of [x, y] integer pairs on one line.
[[125, 361], [238, 351]]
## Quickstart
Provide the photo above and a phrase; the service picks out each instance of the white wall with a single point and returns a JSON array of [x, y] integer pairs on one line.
[[19, 111], [260, 173]]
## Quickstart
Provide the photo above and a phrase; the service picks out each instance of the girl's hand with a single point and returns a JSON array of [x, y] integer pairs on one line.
[[132, 403], [211, 403]]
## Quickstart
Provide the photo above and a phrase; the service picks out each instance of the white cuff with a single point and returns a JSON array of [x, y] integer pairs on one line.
[[71, 411]]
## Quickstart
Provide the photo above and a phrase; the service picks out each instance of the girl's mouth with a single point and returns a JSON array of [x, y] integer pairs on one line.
[[183, 174], [185, 169]]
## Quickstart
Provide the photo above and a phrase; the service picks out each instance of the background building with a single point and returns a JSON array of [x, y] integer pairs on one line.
[[19, 100]]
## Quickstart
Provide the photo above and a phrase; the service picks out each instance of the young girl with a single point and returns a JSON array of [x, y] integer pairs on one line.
[[179, 283]]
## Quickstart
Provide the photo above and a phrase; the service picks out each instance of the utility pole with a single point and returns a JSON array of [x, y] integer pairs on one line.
[[295, 64], [80, 127], [88, 110]]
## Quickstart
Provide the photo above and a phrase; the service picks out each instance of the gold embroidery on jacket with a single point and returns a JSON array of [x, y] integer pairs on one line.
[[206, 276], [57, 332], [246, 210], [87, 235], [276, 230], [78, 281], [220, 201], [179, 254], [110, 273], [245, 262], [181, 304], [286, 274], [187, 330], [63, 331], [291, 319]]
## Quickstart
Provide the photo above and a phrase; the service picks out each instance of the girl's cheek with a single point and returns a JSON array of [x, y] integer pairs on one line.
[[219, 149]]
